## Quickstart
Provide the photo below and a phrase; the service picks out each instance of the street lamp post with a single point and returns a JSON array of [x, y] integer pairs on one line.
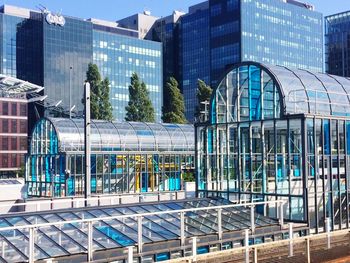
[[70, 92]]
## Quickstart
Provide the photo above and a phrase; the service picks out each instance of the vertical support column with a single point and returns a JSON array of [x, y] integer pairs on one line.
[[308, 250], [87, 148], [90, 249], [130, 254], [290, 239], [246, 244], [31, 244], [182, 228], [252, 218], [194, 248], [3, 247], [255, 255], [220, 223], [139, 233], [281, 220], [328, 226]]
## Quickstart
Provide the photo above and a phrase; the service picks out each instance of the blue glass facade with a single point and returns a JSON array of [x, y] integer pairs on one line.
[[338, 44], [67, 53], [195, 56], [117, 57], [268, 31], [281, 34]]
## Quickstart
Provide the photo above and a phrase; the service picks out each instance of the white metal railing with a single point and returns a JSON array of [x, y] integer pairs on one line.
[[103, 200], [139, 217]]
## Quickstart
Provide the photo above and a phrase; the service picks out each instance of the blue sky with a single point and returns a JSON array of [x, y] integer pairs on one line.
[[117, 9]]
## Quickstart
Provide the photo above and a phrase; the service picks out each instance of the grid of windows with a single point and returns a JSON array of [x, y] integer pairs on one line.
[[195, 56], [338, 44], [284, 34], [117, 57]]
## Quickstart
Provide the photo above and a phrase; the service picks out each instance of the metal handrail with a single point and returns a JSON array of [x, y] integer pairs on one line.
[[140, 215]]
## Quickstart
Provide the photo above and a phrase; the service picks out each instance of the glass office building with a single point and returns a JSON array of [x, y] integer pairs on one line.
[[338, 44], [287, 33], [195, 54], [118, 57], [277, 133], [126, 157], [56, 55]]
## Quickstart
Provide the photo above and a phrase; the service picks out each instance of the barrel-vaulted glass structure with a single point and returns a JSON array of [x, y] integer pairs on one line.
[[279, 133], [126, 157]]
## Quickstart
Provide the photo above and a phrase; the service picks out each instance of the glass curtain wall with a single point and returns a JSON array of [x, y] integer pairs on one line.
[[259, 146], [125, 158]]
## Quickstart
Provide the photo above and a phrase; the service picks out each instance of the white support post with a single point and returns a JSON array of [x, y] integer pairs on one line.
[[255, 255], [3, 245], [308, 250], [220, 223], [139, 233], [194, 248], [90, 249], [252, 219], [281, 214], [31, 244], [290, 239], [246, 244], [182, 228], [328, 230], [130, 254]]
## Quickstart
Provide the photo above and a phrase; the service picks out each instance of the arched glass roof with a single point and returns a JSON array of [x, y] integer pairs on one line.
[[252, 91], [122, 136]]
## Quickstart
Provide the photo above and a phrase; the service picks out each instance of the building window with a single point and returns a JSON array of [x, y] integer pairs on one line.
[[215, 10], [5, 108], [23, 110], [23, 127], [4, 160], [14, 109], [5, 126], [5, 143], [13, 160], [23, 143], [232, 5], [14, 126], [13, 143]]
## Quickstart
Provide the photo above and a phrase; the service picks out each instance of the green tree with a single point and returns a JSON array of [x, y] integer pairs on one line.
[[174, 106], [203, 94], [101, 108], [139, 107]]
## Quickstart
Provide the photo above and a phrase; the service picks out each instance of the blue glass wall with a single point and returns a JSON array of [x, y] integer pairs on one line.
[[64, 47], [195, 56], [284, 34], [117, 57], [338, 44]]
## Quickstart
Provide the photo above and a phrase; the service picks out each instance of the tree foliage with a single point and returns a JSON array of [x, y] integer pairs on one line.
[[139, 107], [101, 108], [203, 94], [174, 106]]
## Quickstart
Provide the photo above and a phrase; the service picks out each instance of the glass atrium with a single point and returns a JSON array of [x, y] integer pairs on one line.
[[126, 157], [276, 133]]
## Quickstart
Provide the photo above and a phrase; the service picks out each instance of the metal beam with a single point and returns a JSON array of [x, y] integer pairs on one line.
[[87, 142]]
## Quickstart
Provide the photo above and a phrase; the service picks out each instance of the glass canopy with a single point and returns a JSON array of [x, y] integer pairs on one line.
[[71, 238], [130, 136], [293, 90]]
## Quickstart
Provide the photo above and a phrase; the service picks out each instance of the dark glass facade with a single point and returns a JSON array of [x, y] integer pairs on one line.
[[195, 55], [338, 44], [67, 53]]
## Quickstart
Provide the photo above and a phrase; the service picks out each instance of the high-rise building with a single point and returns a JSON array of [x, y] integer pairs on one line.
[[195, 53], [54, 51], [338, 44], [118, 56], [287, 33]]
